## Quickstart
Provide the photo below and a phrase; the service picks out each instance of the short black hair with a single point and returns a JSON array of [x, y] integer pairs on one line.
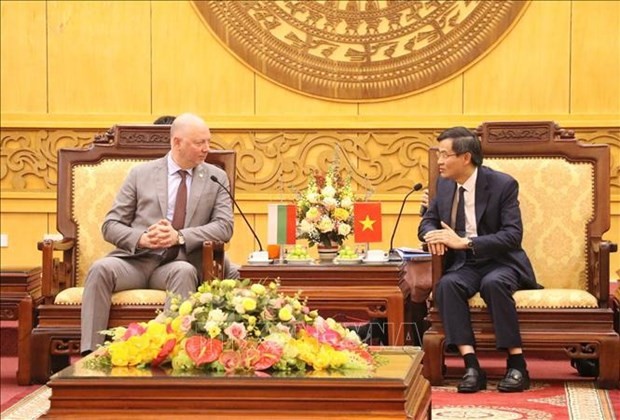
[[164, 119], [464, 141]]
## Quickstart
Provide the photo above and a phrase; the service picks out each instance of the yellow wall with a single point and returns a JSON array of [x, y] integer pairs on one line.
[[88, 65]]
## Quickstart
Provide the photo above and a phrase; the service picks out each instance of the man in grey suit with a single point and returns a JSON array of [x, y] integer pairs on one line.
[[481, 240], [150, 252], [231, 270]]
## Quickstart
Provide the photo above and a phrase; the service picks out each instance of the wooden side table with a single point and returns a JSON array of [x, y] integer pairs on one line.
[[20, 293], [373, 288]]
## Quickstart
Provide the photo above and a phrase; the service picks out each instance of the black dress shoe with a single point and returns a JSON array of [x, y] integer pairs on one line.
[[473, 381], [514, 381]]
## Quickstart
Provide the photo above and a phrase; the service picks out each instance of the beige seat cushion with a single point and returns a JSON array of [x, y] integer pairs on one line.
[[546, 298], [73, 296]]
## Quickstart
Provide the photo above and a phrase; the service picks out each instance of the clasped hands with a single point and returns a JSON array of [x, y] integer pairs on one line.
[[159, 235], [440, 240]]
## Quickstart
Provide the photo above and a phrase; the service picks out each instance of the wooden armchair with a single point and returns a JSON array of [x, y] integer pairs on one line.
[[564, 196], [88, 180]]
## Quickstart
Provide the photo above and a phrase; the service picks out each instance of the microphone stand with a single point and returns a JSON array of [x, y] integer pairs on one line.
[[214, 179], [393, 254]]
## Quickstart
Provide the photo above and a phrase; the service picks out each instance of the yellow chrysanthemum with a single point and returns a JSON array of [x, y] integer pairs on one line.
[[214, 331], [119, 354], [249, 304], [285, 313], [185, 308], [341, 214], [258, 289], [228, 284]]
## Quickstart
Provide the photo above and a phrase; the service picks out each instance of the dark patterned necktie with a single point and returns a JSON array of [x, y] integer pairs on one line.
[[178, 218], [459, 225]]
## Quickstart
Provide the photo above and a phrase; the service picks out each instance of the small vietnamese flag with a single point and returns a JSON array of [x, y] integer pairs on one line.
[[367, 224], [281, 224]]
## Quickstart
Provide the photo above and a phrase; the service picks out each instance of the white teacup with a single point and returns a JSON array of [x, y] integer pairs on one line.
[[376, 255], [259, 256]]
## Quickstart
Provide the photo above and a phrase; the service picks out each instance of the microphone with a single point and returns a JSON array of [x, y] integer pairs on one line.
[[214, 179], [393, 255]]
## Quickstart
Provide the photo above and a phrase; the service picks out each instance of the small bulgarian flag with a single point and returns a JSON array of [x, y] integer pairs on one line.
[[281, 224], [367, 216]]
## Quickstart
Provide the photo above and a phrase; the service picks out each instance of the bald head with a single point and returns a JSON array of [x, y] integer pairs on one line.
[[189, 140], [184, 122]]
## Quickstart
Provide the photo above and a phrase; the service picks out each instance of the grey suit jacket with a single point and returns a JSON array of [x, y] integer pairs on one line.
[[498, 218], [142, 201]]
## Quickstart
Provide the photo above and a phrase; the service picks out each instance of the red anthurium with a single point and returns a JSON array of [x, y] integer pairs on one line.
[[164, 352], [365, 355], [250, 356], [203, 350], [270, 354]]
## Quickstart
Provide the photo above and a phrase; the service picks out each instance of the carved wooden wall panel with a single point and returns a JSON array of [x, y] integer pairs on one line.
[[359, 50], [29, 158], [274, 161]]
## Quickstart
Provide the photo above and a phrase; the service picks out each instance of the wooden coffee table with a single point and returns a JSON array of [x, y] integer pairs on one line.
[[396, 390]]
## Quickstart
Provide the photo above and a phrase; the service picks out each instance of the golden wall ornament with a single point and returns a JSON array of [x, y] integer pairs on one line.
[[29, 157], [273, 162], [360, 51]]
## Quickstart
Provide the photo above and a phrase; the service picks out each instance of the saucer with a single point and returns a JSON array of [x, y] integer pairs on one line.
[[348, 261], [263, 262], [378, 261]]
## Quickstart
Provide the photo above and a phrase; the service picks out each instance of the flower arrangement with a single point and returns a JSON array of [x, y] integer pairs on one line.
[[236, 326], [325, 209]]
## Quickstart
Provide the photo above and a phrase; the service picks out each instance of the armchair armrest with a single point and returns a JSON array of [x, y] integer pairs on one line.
[[601, 251], [56, 274], [212, 260], [436, 266]]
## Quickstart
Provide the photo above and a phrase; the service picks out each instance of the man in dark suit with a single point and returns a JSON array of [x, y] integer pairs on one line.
[[481, 243], [159, 236]]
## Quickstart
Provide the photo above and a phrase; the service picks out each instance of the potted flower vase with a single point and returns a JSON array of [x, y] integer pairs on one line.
[[327, 253]]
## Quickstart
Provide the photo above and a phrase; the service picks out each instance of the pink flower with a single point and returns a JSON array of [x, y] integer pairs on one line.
[[133, 329], [324, 334], [231, 360], [186, 323], [347, 344], [236, 331]]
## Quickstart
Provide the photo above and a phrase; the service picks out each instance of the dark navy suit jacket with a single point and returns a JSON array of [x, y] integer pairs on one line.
[[498, 218]]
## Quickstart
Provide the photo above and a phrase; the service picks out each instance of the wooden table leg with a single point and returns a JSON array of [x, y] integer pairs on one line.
[[24, 327], [396, 319]]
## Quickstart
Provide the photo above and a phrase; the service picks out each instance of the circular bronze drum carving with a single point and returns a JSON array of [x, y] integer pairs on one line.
[[359, 50]]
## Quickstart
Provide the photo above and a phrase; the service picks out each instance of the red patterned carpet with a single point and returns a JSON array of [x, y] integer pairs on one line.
[[557, 392], [545, 400]]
